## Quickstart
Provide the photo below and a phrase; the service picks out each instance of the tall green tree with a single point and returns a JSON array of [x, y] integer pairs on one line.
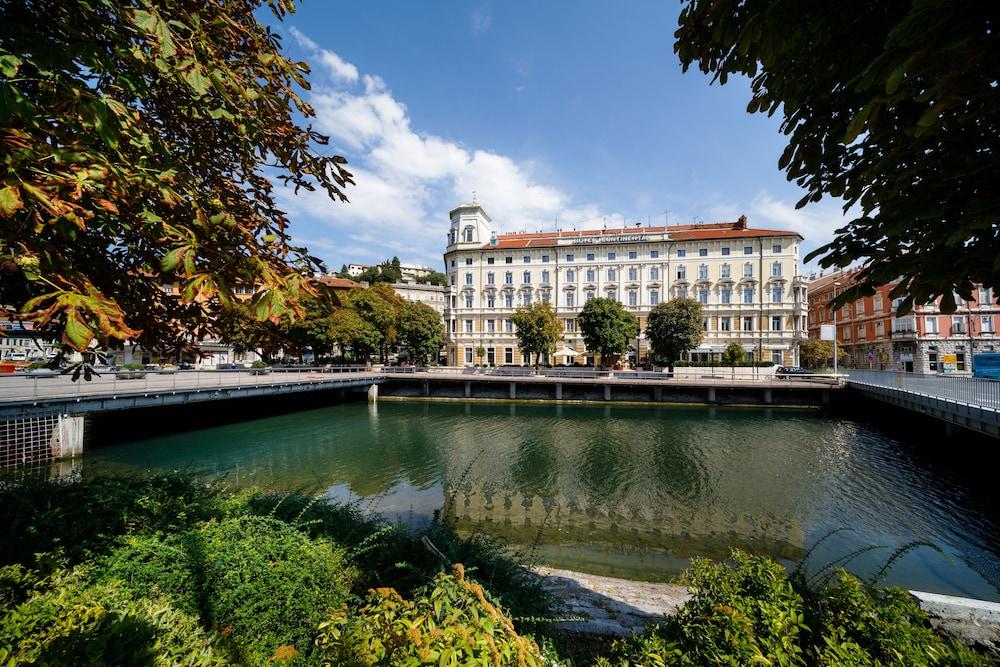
[[421, 330], [380, 307], [891, 106], [607, 327], [537, 329], [349, 330], [817, 354], [134, 139], [673, 328]]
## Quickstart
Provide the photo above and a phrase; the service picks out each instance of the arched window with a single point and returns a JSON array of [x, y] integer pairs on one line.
[[468, 234]]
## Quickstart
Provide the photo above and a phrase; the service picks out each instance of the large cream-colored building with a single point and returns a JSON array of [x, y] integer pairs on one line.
[[747, 281], [434, 296]]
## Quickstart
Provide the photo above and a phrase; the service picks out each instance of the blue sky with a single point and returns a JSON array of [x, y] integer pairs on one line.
[[556, 114]]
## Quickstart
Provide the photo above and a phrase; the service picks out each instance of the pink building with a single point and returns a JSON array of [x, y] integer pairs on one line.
[[924, 341]]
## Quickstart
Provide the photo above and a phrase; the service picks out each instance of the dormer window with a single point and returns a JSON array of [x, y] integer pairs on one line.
[[467, 234]]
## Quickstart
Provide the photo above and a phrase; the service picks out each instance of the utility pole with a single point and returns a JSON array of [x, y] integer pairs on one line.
[[835, 286]]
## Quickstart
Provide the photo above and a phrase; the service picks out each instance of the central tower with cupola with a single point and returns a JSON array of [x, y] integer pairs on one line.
[[470, 227]]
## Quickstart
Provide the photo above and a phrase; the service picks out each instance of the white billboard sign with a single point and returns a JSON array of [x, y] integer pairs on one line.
[[827, 332]]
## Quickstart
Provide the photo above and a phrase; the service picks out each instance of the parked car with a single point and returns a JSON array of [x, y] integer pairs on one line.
[[786, 372]]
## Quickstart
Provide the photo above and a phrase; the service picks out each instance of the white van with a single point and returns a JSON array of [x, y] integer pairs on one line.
[[18, 355]]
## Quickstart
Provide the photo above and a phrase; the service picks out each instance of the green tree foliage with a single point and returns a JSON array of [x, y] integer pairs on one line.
[[452, 621], [814, 353], [433, 278], [349, 330], [673, 328], [388, 271], [890, 106], [380, 307], [537, 329], [421, 330], [134, 137], [734, 355], [607, 328]]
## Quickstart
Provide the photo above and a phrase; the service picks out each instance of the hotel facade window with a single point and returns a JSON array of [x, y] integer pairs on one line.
[[703, 296], [654, 297], [570, 298], [654, 273], [747, 295]]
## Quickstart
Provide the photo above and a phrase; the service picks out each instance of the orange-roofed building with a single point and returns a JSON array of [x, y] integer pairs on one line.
[[747, 281], [924, 341]]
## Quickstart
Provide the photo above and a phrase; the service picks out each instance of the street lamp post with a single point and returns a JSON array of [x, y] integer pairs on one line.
[[835, 286]]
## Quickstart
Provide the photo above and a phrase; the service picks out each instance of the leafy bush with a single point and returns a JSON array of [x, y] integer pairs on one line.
[[258, 364], [749, 613], [861, 625], [738, 615], [80, 519], [451, 622], [261, 582], [66, 620], [398, 557]]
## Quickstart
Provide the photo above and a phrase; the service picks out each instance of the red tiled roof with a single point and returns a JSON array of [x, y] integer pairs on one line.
[[337, 283], [714, 231]]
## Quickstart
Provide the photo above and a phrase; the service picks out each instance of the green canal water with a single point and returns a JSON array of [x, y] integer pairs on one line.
[[622, 491]]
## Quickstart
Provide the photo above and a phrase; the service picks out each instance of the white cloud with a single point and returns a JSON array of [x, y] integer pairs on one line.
[[338, 67], [407, 181]]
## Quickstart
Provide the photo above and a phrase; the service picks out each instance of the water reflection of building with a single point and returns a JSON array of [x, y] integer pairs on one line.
[[682, 531]]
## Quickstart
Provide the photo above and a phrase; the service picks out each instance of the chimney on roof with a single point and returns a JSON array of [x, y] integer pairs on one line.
[[742, 222]]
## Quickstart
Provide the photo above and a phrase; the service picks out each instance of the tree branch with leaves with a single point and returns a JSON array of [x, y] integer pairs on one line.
[[138, 144]]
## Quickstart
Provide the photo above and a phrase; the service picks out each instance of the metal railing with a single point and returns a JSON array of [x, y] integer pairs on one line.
[[719, 375], [980, 392], [43, 385]]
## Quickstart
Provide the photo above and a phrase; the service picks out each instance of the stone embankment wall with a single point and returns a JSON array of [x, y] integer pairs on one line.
[[553, 389]]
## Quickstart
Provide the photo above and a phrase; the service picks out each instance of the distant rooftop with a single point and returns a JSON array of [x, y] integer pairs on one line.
[[703, 232]]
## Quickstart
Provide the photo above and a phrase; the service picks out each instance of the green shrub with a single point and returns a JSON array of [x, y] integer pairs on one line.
[[398, 557], [861, 625], [258, 364], [749, 613], [262, 583], [66, 620], [738, 615], [451, 622], [84, 518]]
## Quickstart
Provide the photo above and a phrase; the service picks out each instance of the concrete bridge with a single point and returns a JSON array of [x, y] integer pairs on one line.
[[970, 402], [42, 415]]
